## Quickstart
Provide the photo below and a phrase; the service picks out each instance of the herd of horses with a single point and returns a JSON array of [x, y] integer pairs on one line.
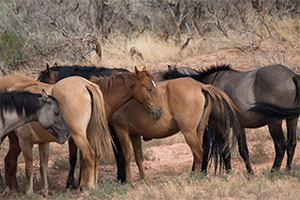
[[101, 110]]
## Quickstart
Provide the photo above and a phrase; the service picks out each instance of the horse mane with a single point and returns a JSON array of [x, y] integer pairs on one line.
[[19, 101], [105, 83], [198, 75], [83, 71]]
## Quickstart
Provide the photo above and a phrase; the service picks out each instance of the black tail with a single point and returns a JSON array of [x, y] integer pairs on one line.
[[119, 156], [272, 111]]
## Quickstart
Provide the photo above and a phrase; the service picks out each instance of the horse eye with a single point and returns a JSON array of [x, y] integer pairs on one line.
[[149, 89]]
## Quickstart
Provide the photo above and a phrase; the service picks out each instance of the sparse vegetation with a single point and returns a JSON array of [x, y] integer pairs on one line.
[[195, 33]]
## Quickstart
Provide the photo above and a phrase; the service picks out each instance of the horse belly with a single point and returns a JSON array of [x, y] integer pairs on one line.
[[155, 129]]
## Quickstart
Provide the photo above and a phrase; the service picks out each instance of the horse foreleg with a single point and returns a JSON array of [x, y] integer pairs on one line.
[[138, 154], [119, 156], [243, 150], [72, 161], [44, 158], [279, 143], [87, 162], [291, 140], [11, 163], [125, 144], [26, 148]]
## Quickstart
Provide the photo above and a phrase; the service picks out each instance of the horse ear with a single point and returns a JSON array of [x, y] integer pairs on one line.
[[169, 67], [44, 95], [144, 69], [47, 68], [137, 71]]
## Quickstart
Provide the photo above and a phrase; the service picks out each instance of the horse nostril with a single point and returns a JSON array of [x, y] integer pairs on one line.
[[159, 111]]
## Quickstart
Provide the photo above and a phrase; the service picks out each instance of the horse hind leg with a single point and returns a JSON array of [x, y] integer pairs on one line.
[[279, 143], [243, 150], [138, 154], [291, 140]]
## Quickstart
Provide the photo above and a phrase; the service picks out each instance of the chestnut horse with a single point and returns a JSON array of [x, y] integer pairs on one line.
[[82, 106], [18, 108], [186, 105], [120, 88]]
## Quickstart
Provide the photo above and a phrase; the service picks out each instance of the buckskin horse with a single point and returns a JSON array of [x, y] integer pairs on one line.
[[82, 106], [18, 108], [273, 91], [120, 88]]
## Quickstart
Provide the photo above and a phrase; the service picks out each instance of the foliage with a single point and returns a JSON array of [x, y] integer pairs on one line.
[[11, 49]]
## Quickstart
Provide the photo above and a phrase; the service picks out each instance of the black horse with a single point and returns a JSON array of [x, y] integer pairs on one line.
[[274, 90], [52, 75]]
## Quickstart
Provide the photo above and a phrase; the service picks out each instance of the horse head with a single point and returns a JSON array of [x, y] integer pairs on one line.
[[145, 92]]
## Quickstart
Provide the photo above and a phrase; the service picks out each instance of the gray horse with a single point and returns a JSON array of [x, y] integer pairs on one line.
[[272, 90]]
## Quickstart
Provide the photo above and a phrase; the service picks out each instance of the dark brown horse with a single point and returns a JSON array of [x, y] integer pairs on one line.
[[274, 90]]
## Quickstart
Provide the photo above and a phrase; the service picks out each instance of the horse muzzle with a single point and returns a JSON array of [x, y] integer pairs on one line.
[[156, 112], [63, 139]]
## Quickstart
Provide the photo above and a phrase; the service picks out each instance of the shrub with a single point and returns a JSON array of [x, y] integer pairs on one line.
[[11, 49]]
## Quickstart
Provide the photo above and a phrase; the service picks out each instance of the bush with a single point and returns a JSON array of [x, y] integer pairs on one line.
[[11, 49]]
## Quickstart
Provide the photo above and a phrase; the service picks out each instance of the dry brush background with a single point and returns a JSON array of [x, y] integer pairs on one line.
[[246, 34]]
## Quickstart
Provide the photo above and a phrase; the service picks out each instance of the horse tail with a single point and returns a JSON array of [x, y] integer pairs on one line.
[[271, 111], [97, 131], [230, 113]]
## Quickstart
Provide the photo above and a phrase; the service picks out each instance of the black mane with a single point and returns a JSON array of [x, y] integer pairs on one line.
[[83, 71], [19, 101], [193, 73]]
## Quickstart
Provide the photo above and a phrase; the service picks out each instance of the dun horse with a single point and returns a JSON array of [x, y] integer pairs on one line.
[[82, 106], [186, 106], [274, 90], [18, 108]]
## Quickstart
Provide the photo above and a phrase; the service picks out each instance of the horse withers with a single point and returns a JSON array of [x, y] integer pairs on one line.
[[18, 108]]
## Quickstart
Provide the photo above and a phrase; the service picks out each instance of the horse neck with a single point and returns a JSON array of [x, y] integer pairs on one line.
[[117, 90], [12, 121]]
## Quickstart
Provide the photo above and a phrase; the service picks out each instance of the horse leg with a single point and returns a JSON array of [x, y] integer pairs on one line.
[[26, 148], [44, 158], [11, 163], [291, 140], [72, 161], [125, 144], [138, 154], [87, 163], [279, 143], [206, 148], [119, 156], [243, 150]]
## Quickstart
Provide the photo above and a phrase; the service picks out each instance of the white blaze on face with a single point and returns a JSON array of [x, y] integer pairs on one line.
[[154, 84]]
